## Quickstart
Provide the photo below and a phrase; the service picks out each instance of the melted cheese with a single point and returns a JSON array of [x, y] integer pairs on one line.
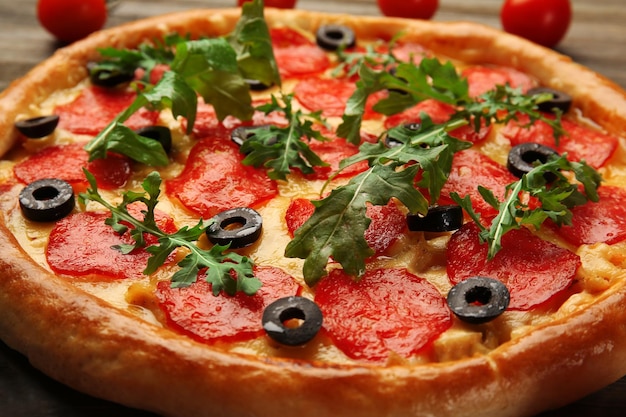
[[421, 253]]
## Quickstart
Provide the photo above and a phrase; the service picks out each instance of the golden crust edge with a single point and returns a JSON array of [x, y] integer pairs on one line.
[[105, 352]]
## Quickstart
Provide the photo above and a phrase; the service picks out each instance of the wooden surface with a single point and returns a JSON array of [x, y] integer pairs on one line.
[[597, 39]]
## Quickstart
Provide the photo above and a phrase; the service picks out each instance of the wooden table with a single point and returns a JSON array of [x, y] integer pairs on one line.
[[595, 39]]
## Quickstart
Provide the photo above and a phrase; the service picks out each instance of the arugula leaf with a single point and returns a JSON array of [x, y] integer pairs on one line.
[[556, 199], [227, 272], [253, 44], [410, 85], [503, 104], [431, 149], [216, 69], [351, 61], [171, 91], [435, 80], [209, 67], [279, 149], [339, 222], [146, 56]]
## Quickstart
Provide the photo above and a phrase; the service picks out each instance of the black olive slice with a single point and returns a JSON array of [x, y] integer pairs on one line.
[[289, 308], [478, 300], [438, 219], [47, 200], [239, 227], [560, 100], [107, 77], [522, 157], [161, 134], [256, 85], [38, 127], [333, 37]]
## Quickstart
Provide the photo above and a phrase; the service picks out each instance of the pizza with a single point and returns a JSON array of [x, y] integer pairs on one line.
[[266, 212]]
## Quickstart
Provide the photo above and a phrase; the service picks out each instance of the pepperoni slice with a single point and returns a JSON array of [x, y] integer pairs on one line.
[[296, 55], [208, 125], [469, 170], [298, 212], [96, 107], [533, 270], [581, 143], [81, 245], [330, 95], [333, 152], [66, 162], [387, 226], [195, 311], [284, 37], [387, 310], [482, 79], [409, 52], [601, 222], [215, 180], [439, 113]]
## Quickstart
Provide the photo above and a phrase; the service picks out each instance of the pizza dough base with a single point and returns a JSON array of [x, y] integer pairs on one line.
[[87, 344]]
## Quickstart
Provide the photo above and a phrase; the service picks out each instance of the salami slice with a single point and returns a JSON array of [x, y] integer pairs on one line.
[[194, 310], [469, 170], [96, 107], [387, 310], [215, 180], [296, 55], [81, 245], [330, 95], [580, 143], [601, 222], [482, 79], [66, 162], [533, 269]]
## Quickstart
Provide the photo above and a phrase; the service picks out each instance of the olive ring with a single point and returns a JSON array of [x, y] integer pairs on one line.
[[47, 200], [522, 157], [38, 127], [438, 219], [289, 308], [245, 228], [560, 100], [333, 37], [478, 300]]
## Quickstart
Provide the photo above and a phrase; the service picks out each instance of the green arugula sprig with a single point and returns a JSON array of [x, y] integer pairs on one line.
[[351, 61], [226, 271], [279, 149], [171, 92], [215, 68], [432, 79], [555, 199], [146, 56], [337, 227]]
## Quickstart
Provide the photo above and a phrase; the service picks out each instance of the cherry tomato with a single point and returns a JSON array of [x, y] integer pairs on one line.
[[279, 4], [70, 20], [414, 9], [542, 21]]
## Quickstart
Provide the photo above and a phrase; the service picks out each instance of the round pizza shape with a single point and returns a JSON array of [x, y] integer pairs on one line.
[[282, 212]]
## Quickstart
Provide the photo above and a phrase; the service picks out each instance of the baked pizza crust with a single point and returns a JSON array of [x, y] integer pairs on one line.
[[85, 343]]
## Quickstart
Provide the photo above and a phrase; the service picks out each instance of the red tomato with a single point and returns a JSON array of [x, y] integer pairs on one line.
[[542, 21], [280, 4], [415, 9], [70, 20]]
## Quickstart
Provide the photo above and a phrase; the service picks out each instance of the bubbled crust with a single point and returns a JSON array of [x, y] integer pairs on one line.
[[91, 346]]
